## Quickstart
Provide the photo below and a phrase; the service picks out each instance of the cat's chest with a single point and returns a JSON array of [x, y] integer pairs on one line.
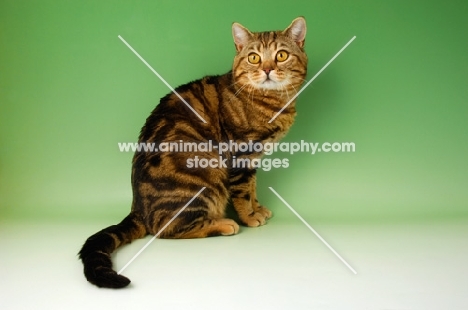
[[260, 132]]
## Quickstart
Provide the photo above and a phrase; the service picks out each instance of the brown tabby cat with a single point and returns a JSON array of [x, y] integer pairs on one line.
[[268, 69]]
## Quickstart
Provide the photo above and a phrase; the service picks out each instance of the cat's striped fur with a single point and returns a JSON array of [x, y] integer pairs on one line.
[[268, 69]]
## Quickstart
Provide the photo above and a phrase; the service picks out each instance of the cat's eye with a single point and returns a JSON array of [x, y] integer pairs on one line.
[[282, 56], [254, 58]]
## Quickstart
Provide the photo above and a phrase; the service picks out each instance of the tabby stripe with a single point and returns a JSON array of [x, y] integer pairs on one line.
[[268, 134], [301, 61], [268, 106], [198, 92], [191, 216], [240, 181], [297, 70], [168, 204], [244, 178], [187, 134]]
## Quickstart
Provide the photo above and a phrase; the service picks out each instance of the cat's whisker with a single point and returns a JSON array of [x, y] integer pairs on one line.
[[253, 95], [287, 93], [280, 89], [240, 89], [298, 78], [238, 82], [292, 85], [251, 89]]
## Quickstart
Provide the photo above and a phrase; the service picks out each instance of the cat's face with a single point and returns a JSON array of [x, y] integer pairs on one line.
[[270, 60]]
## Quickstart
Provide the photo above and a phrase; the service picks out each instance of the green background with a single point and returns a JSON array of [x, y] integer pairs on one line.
[[70, 90]]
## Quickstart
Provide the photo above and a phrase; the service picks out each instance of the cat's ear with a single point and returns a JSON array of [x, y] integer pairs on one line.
[[241, 36], [297, 31]]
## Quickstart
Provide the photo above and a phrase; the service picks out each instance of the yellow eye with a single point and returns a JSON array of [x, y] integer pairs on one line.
[[282, 56], [254, 58]]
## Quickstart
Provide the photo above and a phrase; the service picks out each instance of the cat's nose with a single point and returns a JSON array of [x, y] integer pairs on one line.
[[267, 71]]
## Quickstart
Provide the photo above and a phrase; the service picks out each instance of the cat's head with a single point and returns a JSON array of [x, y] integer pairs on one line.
[[273, 60]]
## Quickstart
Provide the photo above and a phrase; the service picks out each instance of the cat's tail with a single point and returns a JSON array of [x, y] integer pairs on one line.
[[96, 251]]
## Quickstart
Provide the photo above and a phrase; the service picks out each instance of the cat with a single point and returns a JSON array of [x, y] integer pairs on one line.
[[267, 71]]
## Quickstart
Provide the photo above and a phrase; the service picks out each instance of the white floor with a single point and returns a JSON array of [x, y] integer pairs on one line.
[[278, 266]]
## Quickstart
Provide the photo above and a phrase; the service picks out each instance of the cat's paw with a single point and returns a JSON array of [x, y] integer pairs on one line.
[[264, 211], [257, 217], [227, 227]]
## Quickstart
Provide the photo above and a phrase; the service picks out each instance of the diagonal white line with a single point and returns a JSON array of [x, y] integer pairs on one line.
[[313, 230], [162, 79], [161, 230], [311, 80]]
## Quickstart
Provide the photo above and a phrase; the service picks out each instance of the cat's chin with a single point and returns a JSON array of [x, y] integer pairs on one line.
[[269, 85]]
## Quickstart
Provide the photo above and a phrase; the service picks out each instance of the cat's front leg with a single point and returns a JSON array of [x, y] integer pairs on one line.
[[244, 198], [255, 204]]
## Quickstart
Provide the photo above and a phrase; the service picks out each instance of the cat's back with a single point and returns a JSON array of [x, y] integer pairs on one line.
[[192, 110]]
